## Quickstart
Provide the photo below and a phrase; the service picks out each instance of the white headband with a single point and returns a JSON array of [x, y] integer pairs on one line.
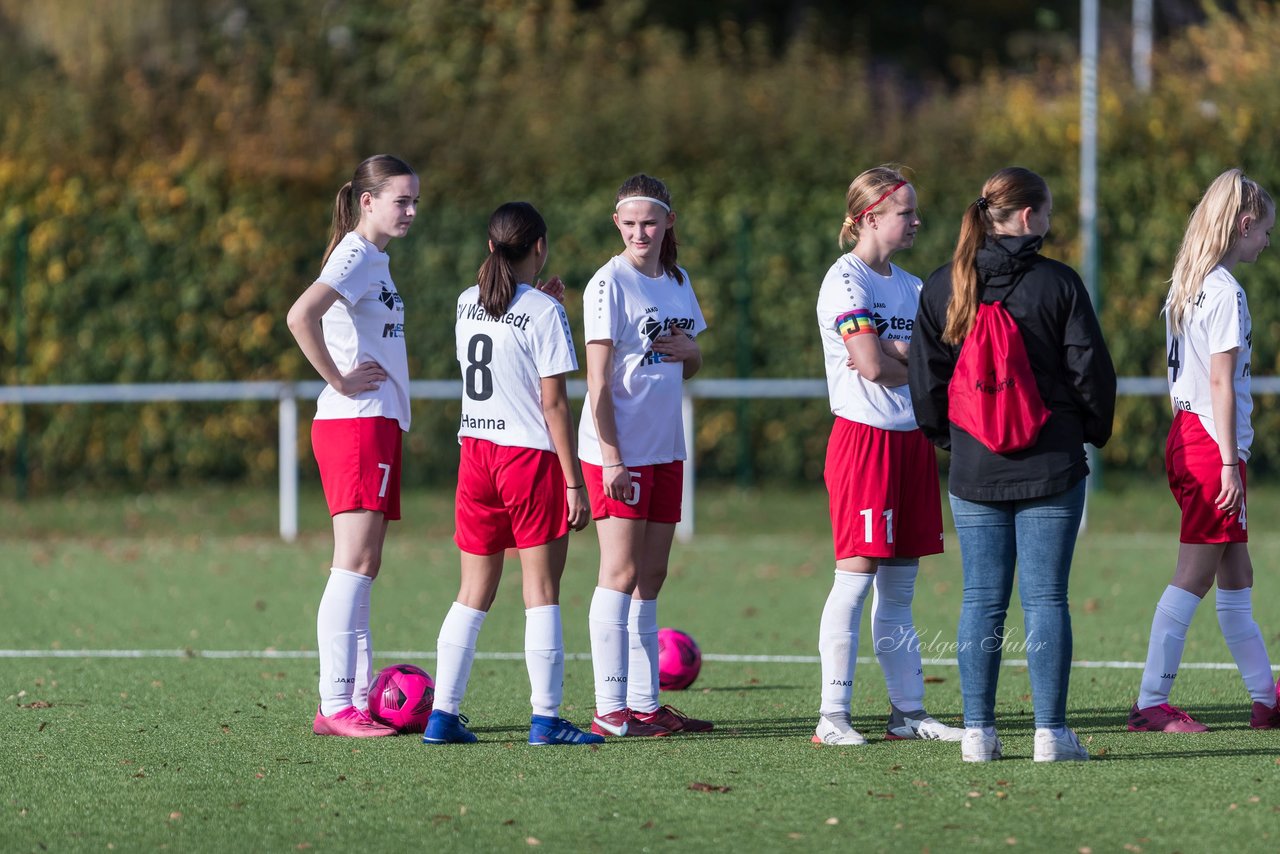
[[659, 202]]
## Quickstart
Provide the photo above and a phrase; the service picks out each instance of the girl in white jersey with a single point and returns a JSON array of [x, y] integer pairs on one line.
[[641, 319], [1210, 339], [350, 326], [518, 480], [880, 472]]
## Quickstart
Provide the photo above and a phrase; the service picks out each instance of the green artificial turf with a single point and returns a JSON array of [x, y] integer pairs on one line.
[[191, 752]]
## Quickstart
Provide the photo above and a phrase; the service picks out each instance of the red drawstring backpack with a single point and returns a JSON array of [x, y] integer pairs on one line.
[[992, 395]]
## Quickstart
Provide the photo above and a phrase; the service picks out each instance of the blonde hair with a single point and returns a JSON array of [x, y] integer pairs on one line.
[[1005, 194], [1211, 232], [868, 190]]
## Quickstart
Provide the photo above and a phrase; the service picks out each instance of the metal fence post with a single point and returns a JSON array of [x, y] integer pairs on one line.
[[288, 463]]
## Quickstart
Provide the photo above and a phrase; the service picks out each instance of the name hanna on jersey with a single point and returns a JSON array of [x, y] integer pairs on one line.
[[471, 423], [477, 312]]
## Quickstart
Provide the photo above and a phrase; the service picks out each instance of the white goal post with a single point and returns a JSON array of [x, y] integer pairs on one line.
[[289, 393]]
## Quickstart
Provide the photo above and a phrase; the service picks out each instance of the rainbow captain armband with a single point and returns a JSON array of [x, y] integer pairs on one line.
[[855, 322]]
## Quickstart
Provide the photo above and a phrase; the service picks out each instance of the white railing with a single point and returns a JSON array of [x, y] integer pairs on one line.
[[289, 393]]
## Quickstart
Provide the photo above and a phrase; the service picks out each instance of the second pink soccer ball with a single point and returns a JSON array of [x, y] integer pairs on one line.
[[679, 660], [402, 697]]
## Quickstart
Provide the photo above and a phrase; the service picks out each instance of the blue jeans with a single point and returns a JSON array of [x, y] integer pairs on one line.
[[1039, 535]]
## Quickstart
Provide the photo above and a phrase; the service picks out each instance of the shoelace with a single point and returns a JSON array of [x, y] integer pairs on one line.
[[673, 710], [1175, 712]]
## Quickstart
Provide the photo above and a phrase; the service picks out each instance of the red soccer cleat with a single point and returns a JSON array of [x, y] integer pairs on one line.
[[623, 723], [672, 719], [350, 722], [1163, 718]]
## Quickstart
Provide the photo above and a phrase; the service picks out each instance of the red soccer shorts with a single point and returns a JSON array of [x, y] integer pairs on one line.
[[883, 485], [656, 493], [1194, 464], [359, 461], [508, 497]]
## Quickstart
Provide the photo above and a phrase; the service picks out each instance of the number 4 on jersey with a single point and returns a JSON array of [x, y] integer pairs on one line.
[[1175, 364]]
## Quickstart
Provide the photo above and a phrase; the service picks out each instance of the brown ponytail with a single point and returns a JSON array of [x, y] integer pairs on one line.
[[371, 177], [514, 230], [1004, 195]]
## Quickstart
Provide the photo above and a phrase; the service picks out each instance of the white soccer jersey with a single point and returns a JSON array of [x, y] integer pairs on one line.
[[623, 306], [856, 300], [1217, 321], [366, 324], [503, 361]]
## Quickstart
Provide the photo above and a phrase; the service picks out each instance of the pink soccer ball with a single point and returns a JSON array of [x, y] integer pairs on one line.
[[679, 660], [402, 696]]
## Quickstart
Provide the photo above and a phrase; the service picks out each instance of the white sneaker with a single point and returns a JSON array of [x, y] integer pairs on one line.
[[835, 729], [919, 724], [1059, 748], [977, 746]]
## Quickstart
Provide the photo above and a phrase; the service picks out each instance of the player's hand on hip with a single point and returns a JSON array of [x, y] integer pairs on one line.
[[366, 376]]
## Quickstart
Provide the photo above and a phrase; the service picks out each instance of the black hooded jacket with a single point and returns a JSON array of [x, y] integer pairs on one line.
[[1072, 367]]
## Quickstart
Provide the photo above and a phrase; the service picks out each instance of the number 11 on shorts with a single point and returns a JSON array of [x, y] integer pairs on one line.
[[868, 531]]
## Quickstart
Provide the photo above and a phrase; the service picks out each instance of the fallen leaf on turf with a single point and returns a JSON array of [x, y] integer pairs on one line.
[[895, 767], [707, 787], [795, 836], [933, 680], [1085, 850], [1231, 807], [38, 704], [1255, 799], [1002, 794], [43, 724], [1010, 840], [974, 794], [303, 846], [509, 821], [1134, 849], [532, 840], [920, 783], [462, 810], [833, 820]]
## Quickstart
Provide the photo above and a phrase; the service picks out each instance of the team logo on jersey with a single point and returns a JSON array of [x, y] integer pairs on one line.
[[651, 329], [390, 299], [892, 324], [393, 330]]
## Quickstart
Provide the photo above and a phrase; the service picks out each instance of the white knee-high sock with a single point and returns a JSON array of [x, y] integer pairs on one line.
[[455, 650], [364, 650], [336, 621], [838, 638], [894, 634], [544, 658], [608, 624], [642, 660], [1244, 639], [1164, 651]]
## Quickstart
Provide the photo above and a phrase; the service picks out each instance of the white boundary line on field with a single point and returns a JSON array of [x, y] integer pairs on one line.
[[281, 654]]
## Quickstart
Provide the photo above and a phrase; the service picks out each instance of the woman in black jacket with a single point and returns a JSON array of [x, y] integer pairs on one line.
[[1021, 507]]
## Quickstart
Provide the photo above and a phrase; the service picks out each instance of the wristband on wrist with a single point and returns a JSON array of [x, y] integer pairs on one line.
[[579, 486], [1230, 465], [613, 466]]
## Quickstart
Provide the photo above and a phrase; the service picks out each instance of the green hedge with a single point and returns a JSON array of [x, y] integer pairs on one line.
[[176, 202]]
